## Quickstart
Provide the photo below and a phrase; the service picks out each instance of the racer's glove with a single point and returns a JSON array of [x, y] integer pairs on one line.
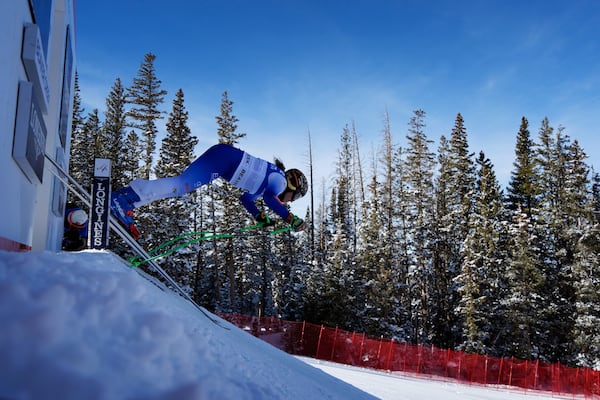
[[295, 222], [264, 219]]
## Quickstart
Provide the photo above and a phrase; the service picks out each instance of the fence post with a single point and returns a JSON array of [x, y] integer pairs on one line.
[[333, 345], [379, 352], [390, 354], [460, 358], [510, 371], [500, 370], [420, 354], [404, 360], [485, 370], [535, 373], [558, 377], [362, 343], [302, 338], [319, 342]]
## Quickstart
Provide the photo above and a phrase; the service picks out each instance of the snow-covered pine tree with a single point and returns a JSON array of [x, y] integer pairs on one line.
[[523, 302], [319, 266], [332, 295], [231, 214], [582, 202], [290, 267], [114, 133], [78, 119], [173, 216], [84, 148], [145, 97], [460, 186], [524, 277], [376, 278], [596, 196], [442, 231], [557, 245], [380, 259], [398, 237], [479, 282], [80, 142], [420, 211], [586, 277], [523, 188], [132, 155]]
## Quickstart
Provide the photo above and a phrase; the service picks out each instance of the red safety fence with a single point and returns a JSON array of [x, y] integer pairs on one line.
[[333, 344]]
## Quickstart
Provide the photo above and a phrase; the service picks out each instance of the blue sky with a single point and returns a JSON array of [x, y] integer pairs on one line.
[[297, 66]]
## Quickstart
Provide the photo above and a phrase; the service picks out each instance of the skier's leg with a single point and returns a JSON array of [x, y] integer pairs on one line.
[[220, 160]]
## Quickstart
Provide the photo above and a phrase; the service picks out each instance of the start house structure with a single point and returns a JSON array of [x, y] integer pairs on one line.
[[37, 73]]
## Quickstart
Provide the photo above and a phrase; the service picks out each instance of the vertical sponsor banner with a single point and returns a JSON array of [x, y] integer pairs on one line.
[[100, 204]]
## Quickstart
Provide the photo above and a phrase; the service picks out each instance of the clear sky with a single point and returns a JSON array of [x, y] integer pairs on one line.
[[294, 66]]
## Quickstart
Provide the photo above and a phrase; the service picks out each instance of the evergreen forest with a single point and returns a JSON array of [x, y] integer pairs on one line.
[[414, 243]]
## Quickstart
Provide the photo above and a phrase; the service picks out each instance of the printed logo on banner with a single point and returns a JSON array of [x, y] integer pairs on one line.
[[100, 204]]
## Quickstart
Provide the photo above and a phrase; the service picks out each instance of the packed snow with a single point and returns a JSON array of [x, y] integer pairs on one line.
[[87, 326]]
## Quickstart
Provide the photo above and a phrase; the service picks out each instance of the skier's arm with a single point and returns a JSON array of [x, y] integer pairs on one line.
[[271, 200], [247, 200]]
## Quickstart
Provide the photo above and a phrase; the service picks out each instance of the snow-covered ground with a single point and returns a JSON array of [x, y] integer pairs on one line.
[[86, 326], [390, 386]]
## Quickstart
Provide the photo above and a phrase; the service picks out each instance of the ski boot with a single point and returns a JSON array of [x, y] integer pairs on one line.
[[121, 205]]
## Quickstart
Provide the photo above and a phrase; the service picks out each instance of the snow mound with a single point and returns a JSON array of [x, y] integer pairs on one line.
[[86, 326]]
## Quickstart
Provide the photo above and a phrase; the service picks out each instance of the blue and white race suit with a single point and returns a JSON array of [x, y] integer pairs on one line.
[[255, 176]]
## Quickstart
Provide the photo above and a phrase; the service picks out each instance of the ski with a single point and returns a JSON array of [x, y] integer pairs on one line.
[[80, 192]]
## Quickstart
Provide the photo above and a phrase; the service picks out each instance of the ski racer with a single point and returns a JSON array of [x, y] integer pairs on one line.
[[255, 176]]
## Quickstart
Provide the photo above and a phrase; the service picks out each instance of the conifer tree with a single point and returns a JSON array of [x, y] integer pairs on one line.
[[596, 196], [232, 214], [84, 148], [399, 239], [145, 97], [525, 273], [177, 151], [79, 143], [318, 269], [114, 133], [523, 187], [480, 280], [444, 243], [458, 180], [420, 164], [131, 156], [557, 249], [333, 300], [584, 229], [523, 301], [227, 123], [376, 278], [586, 276], [173, 216], [78, 119]]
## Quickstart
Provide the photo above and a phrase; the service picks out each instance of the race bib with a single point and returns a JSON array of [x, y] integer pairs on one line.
[[249, 174]]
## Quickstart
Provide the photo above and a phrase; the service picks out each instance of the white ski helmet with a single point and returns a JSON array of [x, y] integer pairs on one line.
[[77, 218]]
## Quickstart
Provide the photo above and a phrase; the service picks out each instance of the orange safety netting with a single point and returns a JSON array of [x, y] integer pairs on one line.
[[333, 344]]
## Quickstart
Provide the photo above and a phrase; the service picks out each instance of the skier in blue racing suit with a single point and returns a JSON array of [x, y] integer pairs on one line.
[[255, 176]]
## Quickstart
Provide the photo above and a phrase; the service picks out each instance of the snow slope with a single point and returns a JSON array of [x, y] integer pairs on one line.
[[86, 326]]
